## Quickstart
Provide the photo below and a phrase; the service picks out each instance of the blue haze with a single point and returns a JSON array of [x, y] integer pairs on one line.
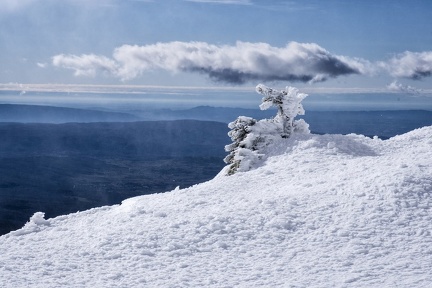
[[125, 102]]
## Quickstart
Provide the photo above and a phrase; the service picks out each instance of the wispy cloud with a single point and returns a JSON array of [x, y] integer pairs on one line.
[[412, 65], [263, 4], [243, 62], [41, 65], [283, 5], [237, 2], [14, 5], [86, 65], [11, 6]]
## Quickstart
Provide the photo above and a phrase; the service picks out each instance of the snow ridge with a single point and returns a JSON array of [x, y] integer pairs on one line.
[[320, 211]]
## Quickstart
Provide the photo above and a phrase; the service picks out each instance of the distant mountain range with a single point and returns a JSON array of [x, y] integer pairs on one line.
[[51, 114], [205, 113], [384, 124]]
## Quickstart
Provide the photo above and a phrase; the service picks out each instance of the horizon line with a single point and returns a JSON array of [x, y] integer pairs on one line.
[[137, 89]]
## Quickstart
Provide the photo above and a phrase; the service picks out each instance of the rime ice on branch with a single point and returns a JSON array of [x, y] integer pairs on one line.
[[250, 136], [288, 103]]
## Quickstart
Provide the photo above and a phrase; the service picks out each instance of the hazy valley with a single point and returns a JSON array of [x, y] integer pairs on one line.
[[66, 167]]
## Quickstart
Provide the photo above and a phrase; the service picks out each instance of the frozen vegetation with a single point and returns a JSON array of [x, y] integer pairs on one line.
[[318, 211], [250, 136]]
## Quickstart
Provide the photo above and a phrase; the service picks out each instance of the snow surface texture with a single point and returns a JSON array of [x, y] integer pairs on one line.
[[320, 211]]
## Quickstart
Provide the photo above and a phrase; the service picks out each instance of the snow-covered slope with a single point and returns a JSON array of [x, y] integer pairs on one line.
[[321, 211]]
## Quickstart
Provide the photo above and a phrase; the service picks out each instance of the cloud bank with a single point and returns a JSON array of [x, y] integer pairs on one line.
[[398, 87], [243, 62]]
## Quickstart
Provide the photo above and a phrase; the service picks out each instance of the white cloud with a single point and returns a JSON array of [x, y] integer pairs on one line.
[[85, 65], [304, 62], [412, 65], [398, 87]]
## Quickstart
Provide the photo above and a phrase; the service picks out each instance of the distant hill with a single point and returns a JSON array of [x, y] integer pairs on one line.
[[206, 113], [384, 124], [381, 123], [51, 114]]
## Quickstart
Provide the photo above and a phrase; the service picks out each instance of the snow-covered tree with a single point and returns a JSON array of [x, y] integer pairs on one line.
[[250, 136], [288, 103], [245, 143]]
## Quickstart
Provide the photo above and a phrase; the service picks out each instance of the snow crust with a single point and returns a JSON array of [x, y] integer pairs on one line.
[[320, 211]]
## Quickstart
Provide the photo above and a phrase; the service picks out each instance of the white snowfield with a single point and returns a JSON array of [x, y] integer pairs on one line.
[[320, 211]]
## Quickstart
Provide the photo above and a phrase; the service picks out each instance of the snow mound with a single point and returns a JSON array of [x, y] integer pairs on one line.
[[321, 211], [33, 225]]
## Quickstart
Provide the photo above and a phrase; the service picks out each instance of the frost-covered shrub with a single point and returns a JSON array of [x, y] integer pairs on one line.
[[250, 136]]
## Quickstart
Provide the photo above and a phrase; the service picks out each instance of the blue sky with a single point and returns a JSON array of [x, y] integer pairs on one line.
[[234, 43]]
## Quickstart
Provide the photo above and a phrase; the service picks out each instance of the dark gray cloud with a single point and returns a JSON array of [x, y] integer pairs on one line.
[[236, 77], [419, 74], [323, 67]]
